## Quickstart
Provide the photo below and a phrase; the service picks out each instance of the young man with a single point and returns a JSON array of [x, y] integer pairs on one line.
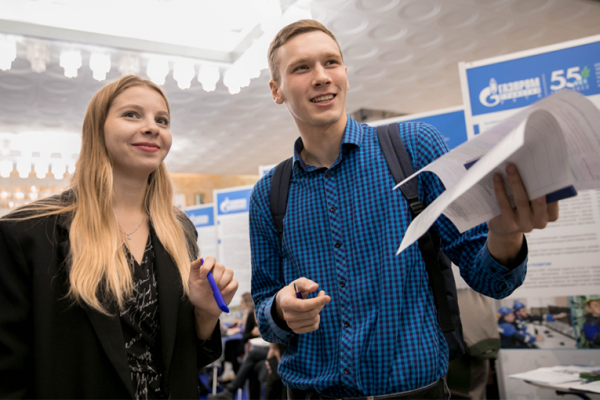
[[372, 328]]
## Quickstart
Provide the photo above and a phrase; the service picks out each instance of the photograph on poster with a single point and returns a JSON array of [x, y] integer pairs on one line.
[[536, 323], [586, 320]]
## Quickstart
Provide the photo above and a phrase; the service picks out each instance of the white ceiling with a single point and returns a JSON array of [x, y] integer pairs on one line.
[[402, 56]]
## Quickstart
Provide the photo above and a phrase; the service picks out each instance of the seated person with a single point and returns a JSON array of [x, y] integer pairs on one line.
[[253, 368], [510, 336], [235, 348], [591, 326]]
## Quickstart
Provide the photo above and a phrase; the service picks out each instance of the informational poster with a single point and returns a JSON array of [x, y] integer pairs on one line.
[[203, 218], [450, 122], [554, 317], [233, 234]]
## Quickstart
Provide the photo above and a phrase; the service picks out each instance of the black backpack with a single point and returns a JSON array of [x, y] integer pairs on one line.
[[437, 264]]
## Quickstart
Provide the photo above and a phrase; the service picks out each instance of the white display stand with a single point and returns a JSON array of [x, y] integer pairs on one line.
[[233, 234], [203, 218]]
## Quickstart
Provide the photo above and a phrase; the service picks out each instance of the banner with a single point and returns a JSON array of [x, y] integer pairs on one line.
[[450, 122], [233, 234]]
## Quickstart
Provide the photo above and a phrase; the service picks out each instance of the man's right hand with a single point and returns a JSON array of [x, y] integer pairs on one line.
[[301, 315]]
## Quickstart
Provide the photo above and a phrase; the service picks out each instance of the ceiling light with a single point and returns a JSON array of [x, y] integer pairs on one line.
[[100, 65], [19, 195], [41, 168], [38, 55], [6, 168], [58, 169], [208, 76], [183, 73], [158, 69], [8, 51], [70, 60], [129, 65], [235, 78], [23, 168], [72, 168]]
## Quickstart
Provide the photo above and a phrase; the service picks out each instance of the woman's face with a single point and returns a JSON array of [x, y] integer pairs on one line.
[[136, 131]]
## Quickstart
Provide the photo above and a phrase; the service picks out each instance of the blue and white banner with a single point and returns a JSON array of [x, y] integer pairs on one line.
[[450, 122], [203, 218], [233, 234], [495, 88]]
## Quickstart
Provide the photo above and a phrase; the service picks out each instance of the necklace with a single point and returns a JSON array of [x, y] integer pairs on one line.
[[132, 232]]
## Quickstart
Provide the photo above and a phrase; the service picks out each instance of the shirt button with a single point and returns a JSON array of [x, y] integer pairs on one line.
[[342, 284], [329, 174], [338, 245], [346, 324], [332, 209], [346, 372]]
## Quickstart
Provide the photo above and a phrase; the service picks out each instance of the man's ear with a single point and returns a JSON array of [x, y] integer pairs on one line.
[[275, 92], [347, 80]]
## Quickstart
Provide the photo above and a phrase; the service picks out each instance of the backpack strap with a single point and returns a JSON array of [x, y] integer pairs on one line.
[[280, 187], [400, 166]]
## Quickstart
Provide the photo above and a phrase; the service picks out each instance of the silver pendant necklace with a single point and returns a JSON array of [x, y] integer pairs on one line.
[[131, 233]]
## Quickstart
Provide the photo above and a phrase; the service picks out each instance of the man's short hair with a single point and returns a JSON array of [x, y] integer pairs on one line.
[[287, 33]]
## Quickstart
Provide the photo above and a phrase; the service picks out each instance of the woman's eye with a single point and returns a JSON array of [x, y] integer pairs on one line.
[[163, 121], [130, 114]]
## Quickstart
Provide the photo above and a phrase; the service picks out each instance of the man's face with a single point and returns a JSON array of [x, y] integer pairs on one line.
[[313, 80], [510, 318], [522, 312]]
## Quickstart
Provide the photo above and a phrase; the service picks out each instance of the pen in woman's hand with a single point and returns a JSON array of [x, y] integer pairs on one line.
[[215, 289]]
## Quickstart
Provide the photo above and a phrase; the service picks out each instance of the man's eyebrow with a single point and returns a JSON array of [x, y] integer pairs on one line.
[[328, 54]]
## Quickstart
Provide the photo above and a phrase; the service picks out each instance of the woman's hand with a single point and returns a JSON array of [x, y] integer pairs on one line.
[[201, 295]]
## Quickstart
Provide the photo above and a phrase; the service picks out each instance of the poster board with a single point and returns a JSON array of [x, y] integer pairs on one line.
[[563, 276], [231, 214], [202, 216]]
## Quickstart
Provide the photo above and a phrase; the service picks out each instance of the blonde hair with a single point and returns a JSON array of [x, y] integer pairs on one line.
[[97, 265], [286, 34]]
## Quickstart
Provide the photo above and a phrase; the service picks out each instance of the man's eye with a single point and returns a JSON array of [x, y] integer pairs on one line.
[[302, 67]]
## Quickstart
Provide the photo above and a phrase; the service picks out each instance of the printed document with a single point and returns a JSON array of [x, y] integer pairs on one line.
[[554, 143]]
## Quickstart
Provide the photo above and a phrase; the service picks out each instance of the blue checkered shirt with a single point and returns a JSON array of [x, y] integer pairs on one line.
[[343, 225]]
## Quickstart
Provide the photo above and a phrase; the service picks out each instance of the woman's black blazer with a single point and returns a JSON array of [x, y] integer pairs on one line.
[[52, 348]]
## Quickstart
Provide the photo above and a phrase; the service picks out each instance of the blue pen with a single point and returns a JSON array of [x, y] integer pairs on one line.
[[298, 294], [215, 289]]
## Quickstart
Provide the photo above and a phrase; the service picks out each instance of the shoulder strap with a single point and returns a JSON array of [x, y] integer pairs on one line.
[[280, 187], [400, 166]]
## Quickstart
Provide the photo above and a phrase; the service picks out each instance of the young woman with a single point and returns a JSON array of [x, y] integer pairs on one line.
[[99, 297]]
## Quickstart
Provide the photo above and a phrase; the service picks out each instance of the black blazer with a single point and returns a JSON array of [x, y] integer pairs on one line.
[[52, 348]]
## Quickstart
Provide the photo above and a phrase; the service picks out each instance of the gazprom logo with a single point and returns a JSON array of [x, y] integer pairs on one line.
[[496, 93], [228, 205]]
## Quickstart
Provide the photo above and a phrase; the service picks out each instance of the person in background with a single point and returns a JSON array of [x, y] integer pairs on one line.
[[366, 324], [235, 348], [523, 317], [101, 293], [275, 389], [591, 326], [510, 336]]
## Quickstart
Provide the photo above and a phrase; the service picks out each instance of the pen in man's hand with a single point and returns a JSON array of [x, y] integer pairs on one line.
[[298, 294], [215, 289]]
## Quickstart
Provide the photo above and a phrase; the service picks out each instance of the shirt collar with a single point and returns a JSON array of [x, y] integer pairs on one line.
[[353, 135]]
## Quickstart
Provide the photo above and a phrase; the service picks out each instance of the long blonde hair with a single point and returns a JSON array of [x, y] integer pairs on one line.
[[98, 269]]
